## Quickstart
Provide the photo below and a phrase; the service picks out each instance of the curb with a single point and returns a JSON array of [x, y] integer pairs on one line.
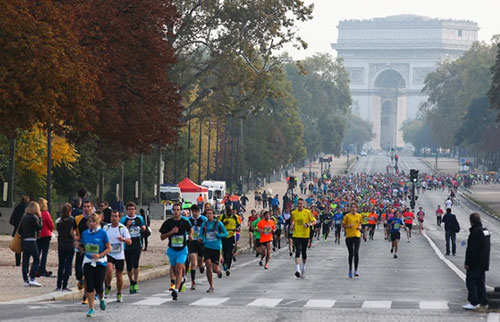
[[146, 275]]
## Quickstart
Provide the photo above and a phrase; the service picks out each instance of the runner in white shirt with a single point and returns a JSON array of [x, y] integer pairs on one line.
[[118, 235], [448, 203]]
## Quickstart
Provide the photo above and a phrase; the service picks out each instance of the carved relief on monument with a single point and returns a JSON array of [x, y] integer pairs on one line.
[[419, 75], [402, 68], [356, 75]]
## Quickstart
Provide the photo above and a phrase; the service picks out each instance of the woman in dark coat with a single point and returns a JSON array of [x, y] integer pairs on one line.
[[15, 219]]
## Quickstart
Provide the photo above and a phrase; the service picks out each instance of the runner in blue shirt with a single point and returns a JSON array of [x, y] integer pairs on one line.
[[395, 224], [337, 221], [211, 233]]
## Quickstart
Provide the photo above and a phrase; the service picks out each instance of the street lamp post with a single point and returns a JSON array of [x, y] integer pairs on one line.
[[199, 151]]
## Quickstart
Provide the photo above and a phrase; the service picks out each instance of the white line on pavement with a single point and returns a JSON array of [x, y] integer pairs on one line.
[[206, 301], [433, 305], [320, 303], [376, 305], [265, 302], [152, 301]]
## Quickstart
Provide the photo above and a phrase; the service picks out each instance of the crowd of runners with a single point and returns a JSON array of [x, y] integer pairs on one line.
[[354, 208]]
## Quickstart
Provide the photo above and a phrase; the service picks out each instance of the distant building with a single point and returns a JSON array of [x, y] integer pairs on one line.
[[388, 59]]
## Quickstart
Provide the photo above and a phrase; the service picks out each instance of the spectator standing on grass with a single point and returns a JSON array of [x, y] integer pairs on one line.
[[15, 219], [65, 248], [29, 228], [43, 242]]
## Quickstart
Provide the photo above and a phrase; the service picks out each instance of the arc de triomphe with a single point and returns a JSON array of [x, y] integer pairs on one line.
[[388, 59]]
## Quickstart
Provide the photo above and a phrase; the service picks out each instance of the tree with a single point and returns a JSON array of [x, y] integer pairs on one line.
[[494, 92], [453, 86], [359, 132], [418, 133], [321, 87], [44, 77]]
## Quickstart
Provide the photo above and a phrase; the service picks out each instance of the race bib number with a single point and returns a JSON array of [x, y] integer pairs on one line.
[[210, 236], [397, 226], [135, 231], [300, 222], [338, 222], [177, 241], [92, 248], [116, 248], [196, 234], [326, 221], [267, 230]]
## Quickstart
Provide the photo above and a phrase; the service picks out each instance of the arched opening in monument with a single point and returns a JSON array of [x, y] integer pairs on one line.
[[387, 125], [389, 86]]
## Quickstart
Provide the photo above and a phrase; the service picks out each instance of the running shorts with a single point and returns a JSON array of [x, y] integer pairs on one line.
[[119, 263], [409, 226], [195, 247], [395, 235], [177, 256], [132, 257], [212, 254]]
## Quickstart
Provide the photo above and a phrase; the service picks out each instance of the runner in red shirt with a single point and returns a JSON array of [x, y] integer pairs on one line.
[[439, 215], [408, 219], [420, 217]]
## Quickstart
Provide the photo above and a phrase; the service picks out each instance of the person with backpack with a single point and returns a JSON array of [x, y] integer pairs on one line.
[[211, 233], [451, 228]]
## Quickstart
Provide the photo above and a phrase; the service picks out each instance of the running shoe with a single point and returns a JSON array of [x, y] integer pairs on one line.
[[219, 274], [80, 285], [392, 250], [119, 298], [234, 258], [470, 307], [193, 285], [266, 266], [174, 294], [136, 288], [172, 286], [58, 289], [102, 304], [182, 287], [210, 290], [35, 283], [67, 289], [350, 274], [291, 254], [85, 300], [228, 273], [131, 289], [107, 290], [297, 274], [202, 269], [395, 256], [26, 284], [91, 313], [356, 274]]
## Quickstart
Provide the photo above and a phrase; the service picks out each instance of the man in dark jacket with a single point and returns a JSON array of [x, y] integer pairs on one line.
[[451, 228], [477, 262]]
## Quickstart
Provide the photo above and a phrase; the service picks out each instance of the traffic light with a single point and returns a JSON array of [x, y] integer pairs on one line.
[[413, 175]]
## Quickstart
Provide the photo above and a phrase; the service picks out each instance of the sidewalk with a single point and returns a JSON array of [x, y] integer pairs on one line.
[[445, 165], [154, 263]]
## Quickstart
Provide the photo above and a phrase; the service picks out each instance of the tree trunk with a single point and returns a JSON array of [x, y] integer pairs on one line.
[[49, 167], [12, 171]]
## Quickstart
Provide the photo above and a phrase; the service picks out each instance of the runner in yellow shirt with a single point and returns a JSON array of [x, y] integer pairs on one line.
[[301, 221], [352, 225]]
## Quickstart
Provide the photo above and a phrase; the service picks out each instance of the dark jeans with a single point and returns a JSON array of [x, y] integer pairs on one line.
[[145, 241], [475, 282], [65, 265], [78, 266], [30, 249], [227, 251], [438, 220], [18, 259], [451, 235], [43, 244]]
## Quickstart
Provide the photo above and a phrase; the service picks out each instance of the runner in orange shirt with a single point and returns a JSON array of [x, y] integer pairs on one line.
[[372, 223], [266, 228], [408, 219]]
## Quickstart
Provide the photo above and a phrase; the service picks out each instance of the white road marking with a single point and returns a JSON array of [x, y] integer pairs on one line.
[[493, 317], [208, 301], [376, 304], [152, 301], [320, 303], [433, 305], [265, 302]]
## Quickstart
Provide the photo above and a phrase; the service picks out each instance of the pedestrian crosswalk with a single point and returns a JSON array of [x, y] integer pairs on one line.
[[165, 299]]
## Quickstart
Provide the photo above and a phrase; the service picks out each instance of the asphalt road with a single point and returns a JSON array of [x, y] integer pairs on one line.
[[419, 286]]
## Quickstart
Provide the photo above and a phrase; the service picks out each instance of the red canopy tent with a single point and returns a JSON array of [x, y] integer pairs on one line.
[[187, 185]]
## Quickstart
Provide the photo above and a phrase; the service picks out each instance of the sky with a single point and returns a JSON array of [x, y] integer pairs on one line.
[[321, 31]]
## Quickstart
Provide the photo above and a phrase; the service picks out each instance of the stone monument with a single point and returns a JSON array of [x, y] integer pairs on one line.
[[388, 60]]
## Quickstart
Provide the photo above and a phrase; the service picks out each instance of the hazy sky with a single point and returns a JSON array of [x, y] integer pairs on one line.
[[321, 31]]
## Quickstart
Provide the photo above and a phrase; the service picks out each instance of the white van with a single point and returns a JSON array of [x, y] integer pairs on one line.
[[216, 192]]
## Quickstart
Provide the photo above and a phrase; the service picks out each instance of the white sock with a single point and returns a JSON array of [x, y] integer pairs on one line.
[[298, 267], [304, 267]]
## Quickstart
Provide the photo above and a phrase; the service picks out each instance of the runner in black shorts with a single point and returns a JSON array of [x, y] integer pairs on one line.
[[195, 248]]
